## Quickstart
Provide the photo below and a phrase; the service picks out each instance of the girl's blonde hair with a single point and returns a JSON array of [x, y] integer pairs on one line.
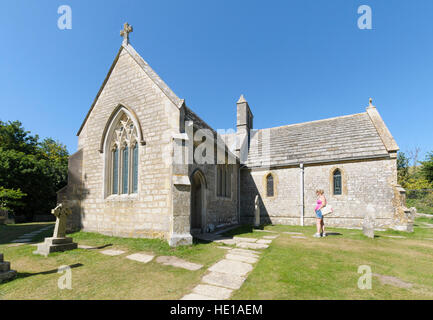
[[320, 191]]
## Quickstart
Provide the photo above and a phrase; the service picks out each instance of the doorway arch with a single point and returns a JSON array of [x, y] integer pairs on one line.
[[198, 202]]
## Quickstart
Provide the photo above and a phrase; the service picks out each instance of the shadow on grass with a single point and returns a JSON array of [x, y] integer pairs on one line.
[[101, 247], [246, 228], [333, 234], [11, 232], [26, 274]]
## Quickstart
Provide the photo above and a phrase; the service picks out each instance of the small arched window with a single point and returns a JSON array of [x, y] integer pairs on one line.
[[123, 162], [269, 185], [337, 182]]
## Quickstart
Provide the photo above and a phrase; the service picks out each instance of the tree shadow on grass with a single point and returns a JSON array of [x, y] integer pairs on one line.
[[27, 274], [100, 247]]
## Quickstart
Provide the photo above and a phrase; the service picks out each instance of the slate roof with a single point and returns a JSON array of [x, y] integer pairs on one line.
[[341, 138]]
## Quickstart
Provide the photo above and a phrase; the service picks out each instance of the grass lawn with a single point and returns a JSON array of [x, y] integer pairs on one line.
[[97, 276], [289, 269], [326, 268]]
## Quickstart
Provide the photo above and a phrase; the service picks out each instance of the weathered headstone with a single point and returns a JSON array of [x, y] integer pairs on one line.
[[368, 224], [59, 241], [257, 212], [5, 270], [3, 216]]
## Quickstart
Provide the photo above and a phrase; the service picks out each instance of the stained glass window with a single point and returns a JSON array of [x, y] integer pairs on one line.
[[135, 169], [115, 171], [125, 171]]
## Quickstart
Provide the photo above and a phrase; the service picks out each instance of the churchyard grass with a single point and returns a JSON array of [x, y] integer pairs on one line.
[[326, 268], [98, 276], [291, 268]]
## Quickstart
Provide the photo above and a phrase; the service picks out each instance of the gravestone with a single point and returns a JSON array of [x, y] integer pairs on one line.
[[368, 224], [3, 216], [5, 270], [59, 241], [257, 212]]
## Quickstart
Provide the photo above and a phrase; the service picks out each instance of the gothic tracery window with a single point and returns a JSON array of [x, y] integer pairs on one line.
[[123, 162]]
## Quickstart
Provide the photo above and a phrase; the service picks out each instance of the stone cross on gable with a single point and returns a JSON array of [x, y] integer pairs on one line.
[[125, 32], [61, 212]]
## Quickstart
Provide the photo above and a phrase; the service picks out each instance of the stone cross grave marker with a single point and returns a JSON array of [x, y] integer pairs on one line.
[[59, 241]]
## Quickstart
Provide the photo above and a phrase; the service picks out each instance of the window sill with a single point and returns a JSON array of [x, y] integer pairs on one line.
[[122, 197], [224, 198]]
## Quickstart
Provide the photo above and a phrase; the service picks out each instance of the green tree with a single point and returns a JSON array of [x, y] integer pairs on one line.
[[427, 167], [10, 198], [402, 169], [13, 136], [37, 169]]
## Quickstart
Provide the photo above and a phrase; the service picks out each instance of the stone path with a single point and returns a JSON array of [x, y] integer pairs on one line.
[[145, 257], [229, 274], [141, 257], [396, 237], [28, 237], [178, 263], [112, 252]]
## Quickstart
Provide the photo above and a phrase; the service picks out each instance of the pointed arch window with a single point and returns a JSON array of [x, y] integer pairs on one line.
[[115, 170], [135, 168], [269, 185], [123, 163], [337, 190], [224, 181]]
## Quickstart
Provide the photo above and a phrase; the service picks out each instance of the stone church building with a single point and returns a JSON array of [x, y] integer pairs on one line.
[[126, 178]]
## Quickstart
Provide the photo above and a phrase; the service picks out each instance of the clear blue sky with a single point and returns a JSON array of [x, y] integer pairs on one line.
[[294, 61]]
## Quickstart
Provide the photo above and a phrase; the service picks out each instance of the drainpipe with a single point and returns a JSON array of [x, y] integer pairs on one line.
[[239, 194], [301, 192]]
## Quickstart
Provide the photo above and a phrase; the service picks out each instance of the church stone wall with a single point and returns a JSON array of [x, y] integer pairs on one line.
[[219, 211], [366, 185], [283, 207], [148, 213]]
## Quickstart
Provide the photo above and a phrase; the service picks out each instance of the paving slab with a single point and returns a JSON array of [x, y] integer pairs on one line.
[[25, 238], [247, 245], [83, 246], [241, 239], [111, 252], [212, 291], [298, 237], [245, 252], [226, 280], [396, 237], [242, 258], [226, 241], [270, 237], [16, 244], [258, 230], [179, 263], [21, 241], [264, 241], [140, 257], [195, 296], [231, 267], [293, 233]]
